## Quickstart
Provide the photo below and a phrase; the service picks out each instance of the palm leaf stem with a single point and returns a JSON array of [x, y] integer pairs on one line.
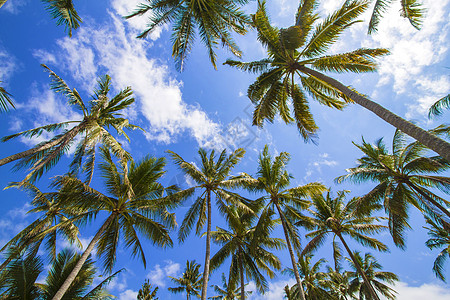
[[426, 138], [358, 267]]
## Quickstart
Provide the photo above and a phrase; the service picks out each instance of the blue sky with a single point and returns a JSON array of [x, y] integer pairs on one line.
[[208, 108]]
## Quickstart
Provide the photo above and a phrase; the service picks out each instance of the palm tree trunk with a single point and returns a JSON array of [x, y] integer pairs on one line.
[[2, 2], [431, 141], [434, 202], [291, 253], [358, 267], [65, 286], [241, 270], [66, 137], [208, 246]]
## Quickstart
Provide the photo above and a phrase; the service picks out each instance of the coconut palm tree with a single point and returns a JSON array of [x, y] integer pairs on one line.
[[410, 9], [63, 11], [135, 205], [437, 108], [377, 278], [41, 229], [403, 177], [296, 56], [214, 22], [101, 114], [5, 100], [147, 292], [332, 216], [228, 291], [189, 282], [211, 179], [273, 179], [337, 282], [249, 253], [439, 234]]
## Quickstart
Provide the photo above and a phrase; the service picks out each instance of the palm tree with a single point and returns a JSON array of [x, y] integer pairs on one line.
[[313, 279], [338, 284], [147, 292], [411, 9], [333, 216], [370, 266], [189, 282], [41, 229], [274, 180], [439, 234], [136, 205], [63, 11], [211, 179], [403, 177], [214, 21], [101, 114], [249, 254], [5, 100], [438, 106], [228, 291], [292, 56]]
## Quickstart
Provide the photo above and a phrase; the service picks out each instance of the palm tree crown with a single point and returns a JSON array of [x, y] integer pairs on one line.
[[439, 234], [189, 282], [213, 19]]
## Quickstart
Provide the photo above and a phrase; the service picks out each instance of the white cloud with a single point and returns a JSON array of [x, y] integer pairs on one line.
[[159, 274], [128, 295], [317, 164], [7, 65], [425, 291], [13, 6]]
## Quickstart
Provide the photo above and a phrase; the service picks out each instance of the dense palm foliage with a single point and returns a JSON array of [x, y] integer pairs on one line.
[[135, 205], [101, 114], [5, 100], [228, 291], [410, 9], [147, 292], [333, 216], [378, 279], [213, 20], [212, 179], [273, 180], [404, 177], [249, 253], [190, 281], [439, 237], [297, 54]]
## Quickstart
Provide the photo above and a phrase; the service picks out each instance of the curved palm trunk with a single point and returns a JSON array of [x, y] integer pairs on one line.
[[360, 271], [431, 200], [208, 246], [66, 138], [431, 141], [241, 270], [291, 253], [65, 286]]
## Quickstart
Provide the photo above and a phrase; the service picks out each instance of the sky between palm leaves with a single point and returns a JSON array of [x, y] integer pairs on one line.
[[203, 107]]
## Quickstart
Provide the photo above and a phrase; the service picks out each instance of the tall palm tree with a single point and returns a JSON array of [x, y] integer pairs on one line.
[[189, 282], [63, 11], [228, 291], [338, 284], [147, 292], [101, 114], [5, 99], [249, 253], [437, 108], [403, 177], [41, 229], [439, 234], [274, 180], [135, 205], [410, 9], [296, 54], [214, 21], [333, 216], [377, 278], [212, 179]]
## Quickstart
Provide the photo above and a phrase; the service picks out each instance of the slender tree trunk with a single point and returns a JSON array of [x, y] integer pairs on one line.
[[291, 253], [241, 270], [431, 141], [208, 246], [434, 202], [68, 136], [360, 271], [65, 286]]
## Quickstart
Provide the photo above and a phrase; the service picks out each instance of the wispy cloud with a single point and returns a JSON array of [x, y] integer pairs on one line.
[[315, 166], [158, 275], [425, 291]]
